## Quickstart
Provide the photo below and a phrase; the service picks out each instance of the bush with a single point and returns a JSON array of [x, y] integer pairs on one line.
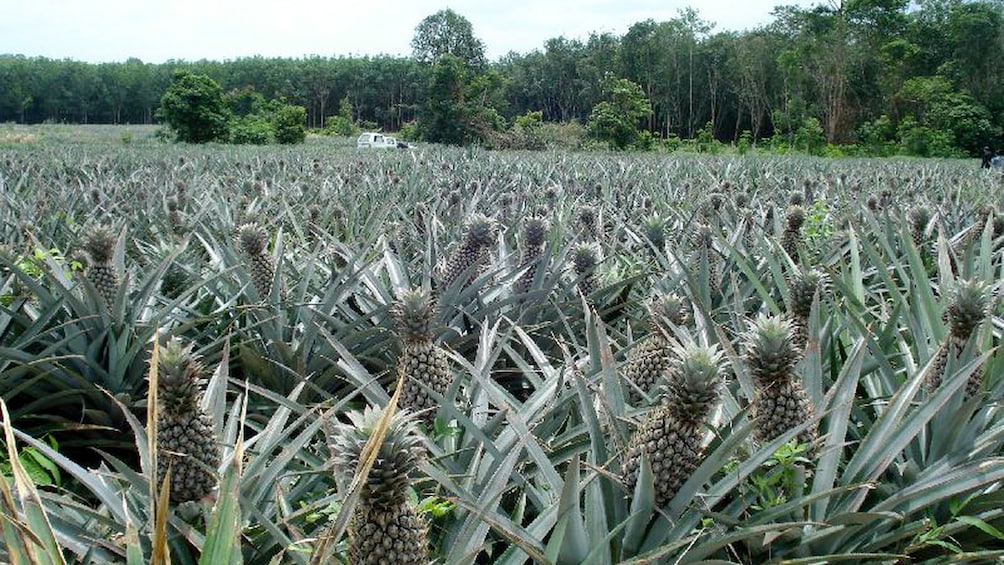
[[194, 107], [408, 131], [340, 126], [255, 130], [289, 123]]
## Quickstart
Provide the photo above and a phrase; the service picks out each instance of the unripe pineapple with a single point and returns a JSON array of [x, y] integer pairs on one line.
[[174, 215], [185, 438], [919, 218], [253, 240], [386, 527], [100, 248], [424, 364], [534, 236], [469, 258], [780, 403], [655, 231], [791, 237], [650, 359], [671, 435], [802, 288], [587, 222], [585, 257], [969, 305]]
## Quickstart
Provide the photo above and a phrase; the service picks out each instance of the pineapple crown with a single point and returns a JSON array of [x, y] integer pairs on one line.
[[671, 308], [413, 314], [480, 231], [655, 229], [584, 257], [535, 231], [796, 216], [252, 238], [693, 383], [100, 245], [179, 377], [968, 307], [770, 350], [803, 285], [919, 217], [397, 457]]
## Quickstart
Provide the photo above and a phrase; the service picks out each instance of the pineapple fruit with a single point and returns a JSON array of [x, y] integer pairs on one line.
[[671, 436], [584, 260], [650, 359], [534, 236], [780, 402], [803, 286], [791, 237], [186, 442], [385, 527], [253, 240], [100, 248], [424, 364], [919, 218], [472, 254], [969, 305]]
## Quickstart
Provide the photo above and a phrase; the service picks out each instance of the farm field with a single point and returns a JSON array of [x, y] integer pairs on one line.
[[540, 357]]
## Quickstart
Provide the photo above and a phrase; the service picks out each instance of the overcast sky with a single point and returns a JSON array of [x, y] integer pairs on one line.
[[159, 30]]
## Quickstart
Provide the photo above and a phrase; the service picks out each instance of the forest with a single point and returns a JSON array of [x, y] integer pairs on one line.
[[889, 76]]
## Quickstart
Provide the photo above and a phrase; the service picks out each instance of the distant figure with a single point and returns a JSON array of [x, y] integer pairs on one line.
[[988, 156]]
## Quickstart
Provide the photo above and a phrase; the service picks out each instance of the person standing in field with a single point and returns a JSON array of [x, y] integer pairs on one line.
[[988, 155]]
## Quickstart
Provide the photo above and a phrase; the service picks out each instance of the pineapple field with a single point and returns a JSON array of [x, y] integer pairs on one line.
[[316, 354]]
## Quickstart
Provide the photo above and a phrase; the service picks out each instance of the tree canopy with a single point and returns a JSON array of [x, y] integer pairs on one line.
[[447, 33]]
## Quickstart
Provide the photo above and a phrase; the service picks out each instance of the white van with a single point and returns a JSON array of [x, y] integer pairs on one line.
[[372, 140]]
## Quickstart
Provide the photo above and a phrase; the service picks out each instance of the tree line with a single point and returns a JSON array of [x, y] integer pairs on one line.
[[886, 74]]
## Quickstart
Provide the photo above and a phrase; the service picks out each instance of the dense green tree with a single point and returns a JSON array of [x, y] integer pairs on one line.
[[289, 122], [616, 119], [194, 108], [447, 33], [443, 116]]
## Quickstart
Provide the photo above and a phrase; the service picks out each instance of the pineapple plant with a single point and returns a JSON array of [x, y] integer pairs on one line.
[[650, 359], [585, 257], [472, 253], [186, 442], [100, 248], [253, 241], [386, 527], [534, 236], [780, 402], [671, 435], [424, 364], [791, 237], [803, 286], [968, 306]]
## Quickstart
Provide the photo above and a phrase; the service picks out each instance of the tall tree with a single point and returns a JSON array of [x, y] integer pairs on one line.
[[447, 33]]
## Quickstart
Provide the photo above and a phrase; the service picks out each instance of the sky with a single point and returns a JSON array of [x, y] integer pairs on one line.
[[160, 30]]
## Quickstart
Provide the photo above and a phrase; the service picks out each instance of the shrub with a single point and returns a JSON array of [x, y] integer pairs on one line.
[[194, 107], [288, 122], [254, 129]]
